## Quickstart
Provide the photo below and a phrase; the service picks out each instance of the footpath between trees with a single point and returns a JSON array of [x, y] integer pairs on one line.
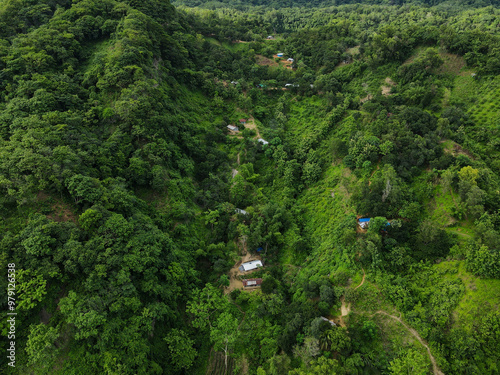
[[346, 309], [435, 368]]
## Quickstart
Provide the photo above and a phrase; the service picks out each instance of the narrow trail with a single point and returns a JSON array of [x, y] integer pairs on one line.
[[362, 280], [345, 309], [435, 368]]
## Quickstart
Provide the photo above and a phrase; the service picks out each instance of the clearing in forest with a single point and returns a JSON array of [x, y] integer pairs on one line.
[[235, 273], [453, 148], [250, 124], [265, 61], [61, 211], [386, 89]]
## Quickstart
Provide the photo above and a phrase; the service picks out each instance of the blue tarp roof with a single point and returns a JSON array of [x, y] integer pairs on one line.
[[363, 220], [260, 249]]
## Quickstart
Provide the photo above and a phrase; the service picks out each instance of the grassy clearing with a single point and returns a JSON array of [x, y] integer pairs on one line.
[[442, 206], [452, 64], [481, 295]]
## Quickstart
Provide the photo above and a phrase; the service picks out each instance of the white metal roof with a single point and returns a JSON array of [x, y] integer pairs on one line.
[[264, 142], [248, 266]]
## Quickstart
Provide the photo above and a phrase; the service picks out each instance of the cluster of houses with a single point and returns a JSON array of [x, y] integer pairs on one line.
[[243, 121], [280, 55], [250, 266]]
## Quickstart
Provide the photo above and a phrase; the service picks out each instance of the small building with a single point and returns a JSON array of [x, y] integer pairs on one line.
[[279, 54], [270, 37], [290, 59], [242, 121], [234, 82], [328, 321], [363, 223], [264, 142], [250, 266], [247, 283], [233, 128], [240, 211]]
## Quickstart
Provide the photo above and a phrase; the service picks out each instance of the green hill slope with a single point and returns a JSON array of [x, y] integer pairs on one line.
[[128, 205]]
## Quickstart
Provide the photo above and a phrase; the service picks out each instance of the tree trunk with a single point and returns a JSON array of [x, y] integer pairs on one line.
[[225, 356]]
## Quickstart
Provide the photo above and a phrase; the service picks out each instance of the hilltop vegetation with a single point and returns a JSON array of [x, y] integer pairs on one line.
[[127, 204]]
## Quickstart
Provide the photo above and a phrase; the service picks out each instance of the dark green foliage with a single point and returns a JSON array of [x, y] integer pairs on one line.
[[122, 191]]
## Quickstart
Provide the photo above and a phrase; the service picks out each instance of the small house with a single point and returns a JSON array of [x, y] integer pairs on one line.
[[270, 37], [264, 142], [280, 54], [363, 223], [247, 283], [240, 211], [234, 82], [328, 321], [242, 121], [290, 59], [233, 128], [250, 266]]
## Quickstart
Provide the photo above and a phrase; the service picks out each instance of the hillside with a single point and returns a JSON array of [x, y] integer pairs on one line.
[[147, 151]]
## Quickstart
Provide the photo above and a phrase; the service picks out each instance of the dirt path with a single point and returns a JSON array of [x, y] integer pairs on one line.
[[345, 309], [250, 124], [435, 368], [362, 280]]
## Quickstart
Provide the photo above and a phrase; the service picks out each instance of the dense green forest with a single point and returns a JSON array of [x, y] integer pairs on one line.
[[127, 204]]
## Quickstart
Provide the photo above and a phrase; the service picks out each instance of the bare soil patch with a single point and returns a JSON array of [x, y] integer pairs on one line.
[[452, 63], [456, 150], [366, 98], [250, 124], [264, 61], [62, 211], [235, 274], [386, 89]]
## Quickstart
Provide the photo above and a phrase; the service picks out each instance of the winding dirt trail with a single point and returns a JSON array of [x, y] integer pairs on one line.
[[345, 309], [362, 280], [435, 368]]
